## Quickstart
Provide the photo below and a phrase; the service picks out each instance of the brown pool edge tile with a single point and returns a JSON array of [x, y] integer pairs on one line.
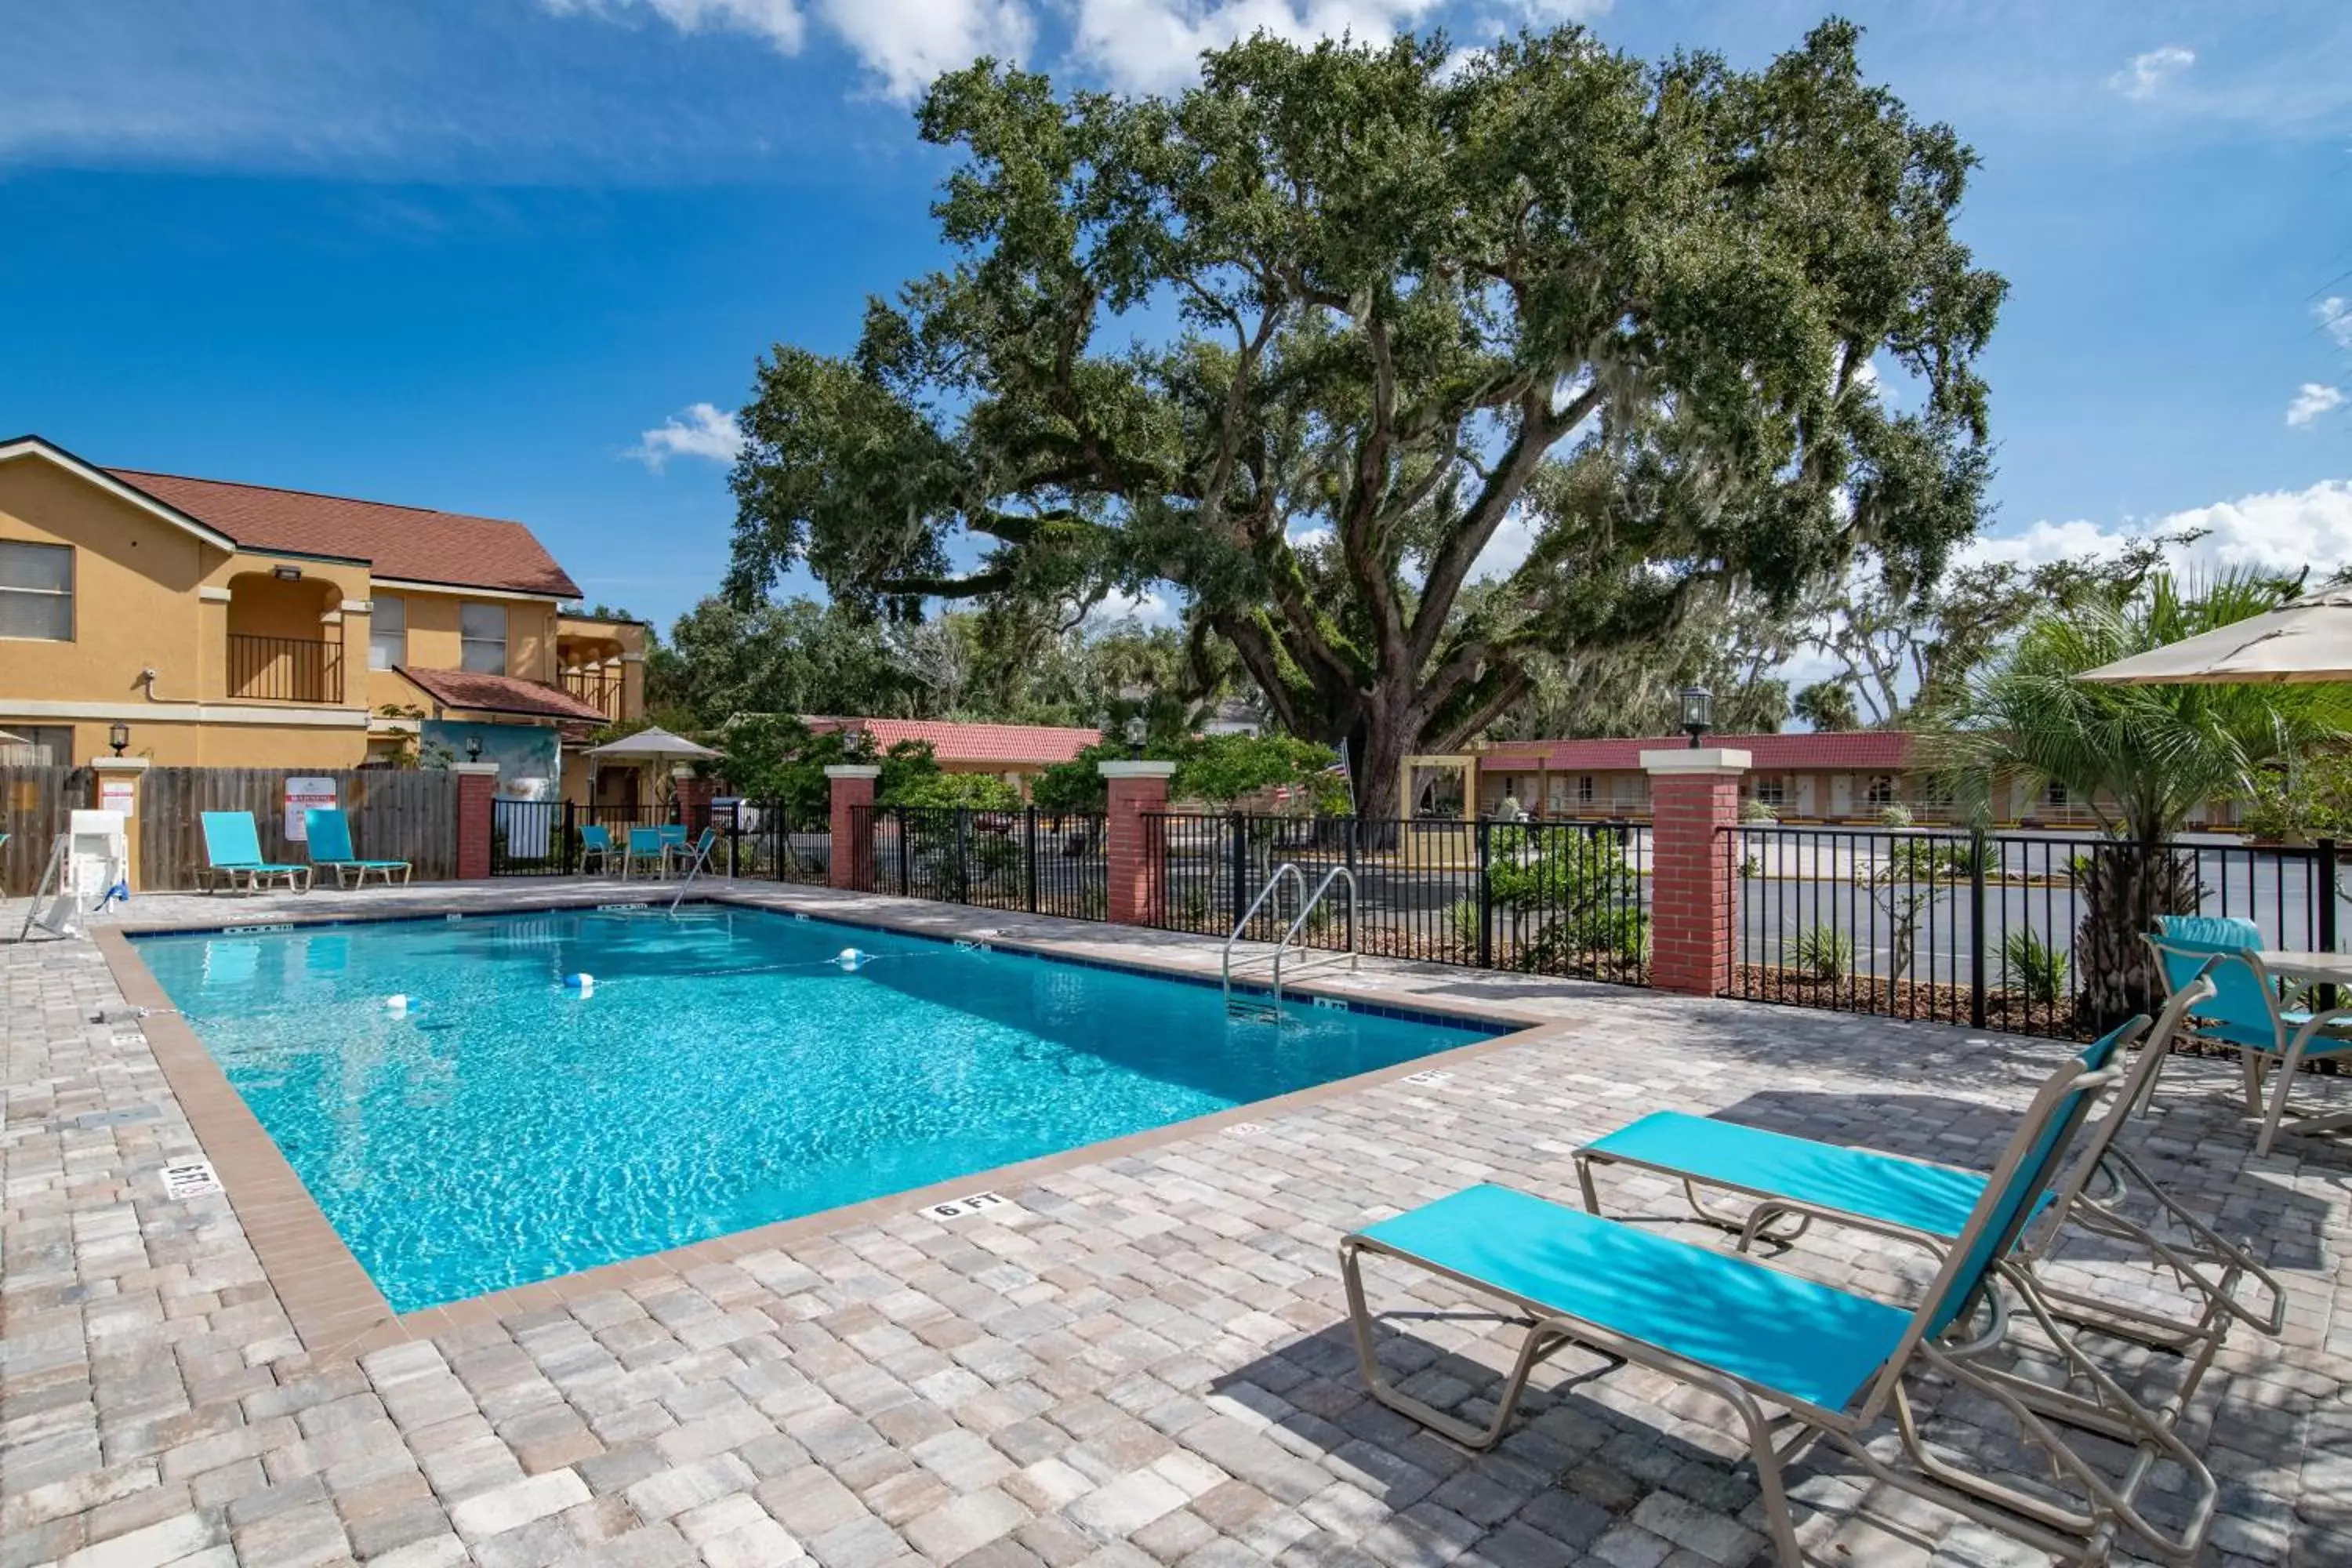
[[335, 1307]]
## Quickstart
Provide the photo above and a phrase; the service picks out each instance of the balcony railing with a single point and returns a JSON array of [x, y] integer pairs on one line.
[[285, 669], [598, 688]]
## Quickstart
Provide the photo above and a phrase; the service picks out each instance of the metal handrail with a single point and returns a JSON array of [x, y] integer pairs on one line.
[[1288, 868], [1307, 904]]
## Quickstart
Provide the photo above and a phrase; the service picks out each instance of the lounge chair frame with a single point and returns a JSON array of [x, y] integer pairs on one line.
[[257, 871], [352, 871], [2290, 1043], [2208, 1266], [2086, 1531]]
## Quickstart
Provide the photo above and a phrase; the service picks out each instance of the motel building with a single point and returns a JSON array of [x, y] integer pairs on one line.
[[1849, 777], [237, 625]]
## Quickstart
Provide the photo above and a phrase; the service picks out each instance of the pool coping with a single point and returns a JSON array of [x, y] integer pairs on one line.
[[334, 1305]]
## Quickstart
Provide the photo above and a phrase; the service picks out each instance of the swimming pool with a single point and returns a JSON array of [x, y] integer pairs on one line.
[[723, 1072]]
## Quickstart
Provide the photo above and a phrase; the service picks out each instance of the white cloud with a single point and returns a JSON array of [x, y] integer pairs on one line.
[[2311, 401], [2277, 530], [700, 430], [907, 43], [2335, 314], [778, 21], [2149, 73], [1150, 606]]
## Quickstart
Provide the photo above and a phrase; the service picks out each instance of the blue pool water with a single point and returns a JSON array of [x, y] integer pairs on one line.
[[721, 1074]]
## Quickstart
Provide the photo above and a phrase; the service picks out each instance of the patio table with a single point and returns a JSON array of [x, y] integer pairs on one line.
[[2309, 967]]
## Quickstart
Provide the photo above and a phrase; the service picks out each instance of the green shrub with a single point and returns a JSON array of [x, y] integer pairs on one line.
[[1753, 810], [2034, 967], [1824, 953], [1894, 814]]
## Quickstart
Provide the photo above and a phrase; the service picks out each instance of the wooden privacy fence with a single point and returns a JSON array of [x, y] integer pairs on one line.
[[34, 807], [396, 813]]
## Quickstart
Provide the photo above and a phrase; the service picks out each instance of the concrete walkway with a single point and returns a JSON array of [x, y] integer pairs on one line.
[[1142, 1360]]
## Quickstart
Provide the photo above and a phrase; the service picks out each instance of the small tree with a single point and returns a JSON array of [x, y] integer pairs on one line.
[[2141, 758]]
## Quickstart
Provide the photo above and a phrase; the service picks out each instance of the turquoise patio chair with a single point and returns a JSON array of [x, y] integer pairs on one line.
[[1834, 1362], [1929, 1204], [233, 849], [597, 840], [644, 844], [2248, 1011], [694, 857], [331, 850]]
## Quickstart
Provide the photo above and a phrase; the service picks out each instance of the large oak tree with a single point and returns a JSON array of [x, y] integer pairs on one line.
[[1306, 340]]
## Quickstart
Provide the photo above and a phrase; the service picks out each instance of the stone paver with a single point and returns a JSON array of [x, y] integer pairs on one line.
[[1143, 1360]]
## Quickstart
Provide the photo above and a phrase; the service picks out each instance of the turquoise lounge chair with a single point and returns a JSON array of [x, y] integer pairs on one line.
[[2248, 1011], [1833, 1361], [693, 858], [331, 850], [598, 841], [1918, 1201], [233, 849]]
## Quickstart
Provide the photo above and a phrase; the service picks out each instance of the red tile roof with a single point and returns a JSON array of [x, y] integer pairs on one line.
[[500, 694], [1863, 750], [1035, 744], [410, 541]]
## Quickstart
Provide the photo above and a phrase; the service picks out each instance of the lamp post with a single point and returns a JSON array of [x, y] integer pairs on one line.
[[1698, 712], [474, 748], [118, 735], [1136, 730]]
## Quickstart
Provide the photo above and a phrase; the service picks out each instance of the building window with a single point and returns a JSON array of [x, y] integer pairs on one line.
[[482, 639], [2053, 794], [1772, 791], [1584, 789], [36, 745], [37, 591], [1880, 791], [388, 633]]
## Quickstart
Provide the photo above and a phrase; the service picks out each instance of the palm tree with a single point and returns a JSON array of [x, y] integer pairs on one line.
[[2141, 757]]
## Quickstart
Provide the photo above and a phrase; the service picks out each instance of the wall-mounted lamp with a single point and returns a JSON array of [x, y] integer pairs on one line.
[[287, 574], [1698, 712], [118, 735]]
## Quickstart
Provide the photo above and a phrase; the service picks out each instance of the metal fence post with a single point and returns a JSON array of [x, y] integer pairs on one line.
[[897, 815], [565, 856], [1486, 902], [1977, 846], [734, 833], [1237, 827], [1029, 855]]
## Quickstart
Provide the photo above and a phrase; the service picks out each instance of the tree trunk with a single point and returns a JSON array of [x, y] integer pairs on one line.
[[1376, 752], [2124, 888]]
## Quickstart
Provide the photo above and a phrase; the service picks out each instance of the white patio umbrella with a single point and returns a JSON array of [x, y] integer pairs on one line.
[[654, 746], [2309, 639]]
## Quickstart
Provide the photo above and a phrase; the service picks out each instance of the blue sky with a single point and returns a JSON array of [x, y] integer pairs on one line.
[[491, 255]]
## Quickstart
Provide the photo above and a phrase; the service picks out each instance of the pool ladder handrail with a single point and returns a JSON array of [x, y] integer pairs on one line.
[[1288, 942]]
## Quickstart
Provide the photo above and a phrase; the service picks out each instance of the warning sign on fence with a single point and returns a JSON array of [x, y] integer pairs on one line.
[[306, 794]]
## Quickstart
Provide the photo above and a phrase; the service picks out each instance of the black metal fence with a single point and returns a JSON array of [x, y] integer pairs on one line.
[[1550, 898], [1049, 863], [563, 839], [2024, 932]]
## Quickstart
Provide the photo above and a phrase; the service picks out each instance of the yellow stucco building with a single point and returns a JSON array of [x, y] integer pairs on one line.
[[238, 626]]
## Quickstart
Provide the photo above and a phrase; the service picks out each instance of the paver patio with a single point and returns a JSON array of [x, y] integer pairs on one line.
[[1142, 1361]]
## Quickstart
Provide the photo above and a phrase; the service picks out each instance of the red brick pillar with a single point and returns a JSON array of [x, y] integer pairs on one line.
[[477, 786], [853, 825], [1137, 847], [693, 798], [1694, 795]]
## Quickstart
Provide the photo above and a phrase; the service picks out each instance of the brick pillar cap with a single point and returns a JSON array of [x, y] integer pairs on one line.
[[491, 769], [1136, 769], [852, 770], [119, 764], [1700, 760]]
